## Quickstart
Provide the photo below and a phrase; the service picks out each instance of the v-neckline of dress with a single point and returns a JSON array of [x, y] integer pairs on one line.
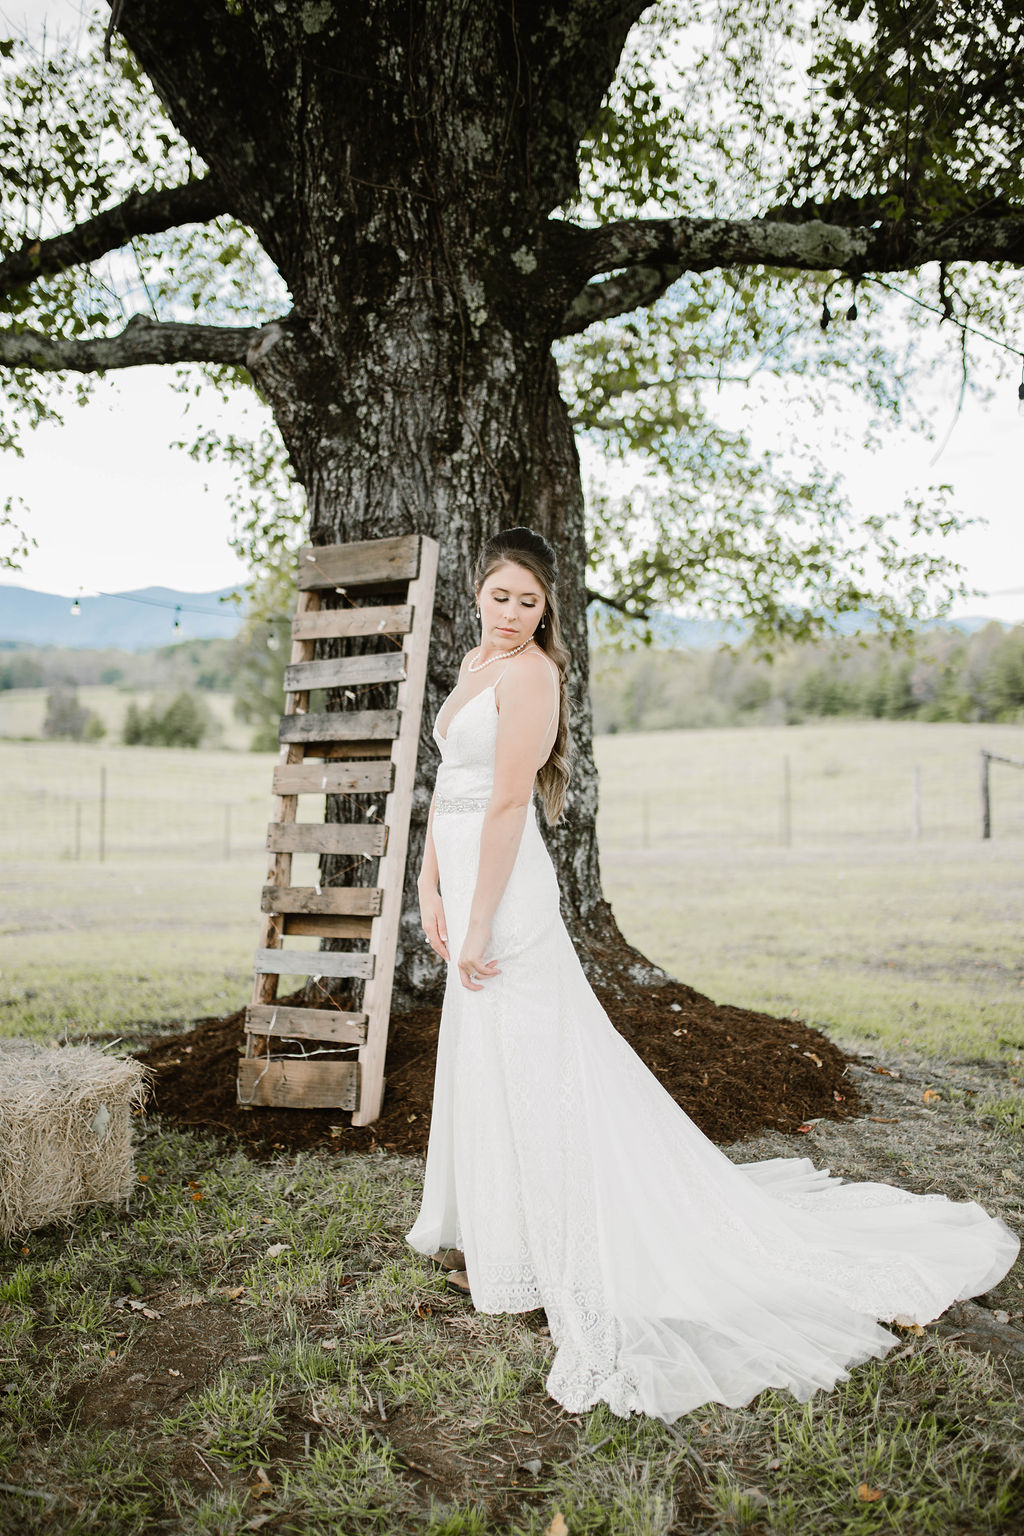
[[488, 689]]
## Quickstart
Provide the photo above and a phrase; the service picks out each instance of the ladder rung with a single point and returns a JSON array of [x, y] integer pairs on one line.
[[306, 1023], [334, 779], [343, 900], [313, 962], [326, 837], [366, 563], [340, 725], [340, 623], [298, 1084], [345, 671], [348, 778]]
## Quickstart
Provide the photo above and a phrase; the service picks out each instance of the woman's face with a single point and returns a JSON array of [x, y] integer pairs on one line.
[[511, 607]]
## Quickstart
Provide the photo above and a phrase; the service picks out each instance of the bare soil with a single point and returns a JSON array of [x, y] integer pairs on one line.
[[733, 1071]]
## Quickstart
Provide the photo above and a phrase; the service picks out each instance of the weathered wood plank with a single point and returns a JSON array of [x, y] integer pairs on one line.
[[313, 962], [339, 623], [358, 564], [346, 672], [340, 725], [344, 900], [326, 925], [334, 779], [327, 837], [391, 871], [298, 1084], [307, 1024]]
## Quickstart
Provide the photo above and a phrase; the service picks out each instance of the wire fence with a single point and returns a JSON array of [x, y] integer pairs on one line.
[[745, 804]]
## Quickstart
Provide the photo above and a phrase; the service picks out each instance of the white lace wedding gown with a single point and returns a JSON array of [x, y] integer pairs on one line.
[[574, 1182]]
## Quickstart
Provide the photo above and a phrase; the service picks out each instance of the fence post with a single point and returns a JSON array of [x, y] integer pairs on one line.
[[646, 836], [78, 830], [103, 813], [227, 829], [916, 804], [786, 808], [986, 800]]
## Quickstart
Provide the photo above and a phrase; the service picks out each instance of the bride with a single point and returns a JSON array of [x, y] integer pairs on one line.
[[560, 1174]]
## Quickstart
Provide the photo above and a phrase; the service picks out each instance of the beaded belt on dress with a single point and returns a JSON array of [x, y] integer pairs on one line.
[[443, 806]]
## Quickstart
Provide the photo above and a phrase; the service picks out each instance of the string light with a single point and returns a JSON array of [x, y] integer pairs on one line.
[[177, 615], [76, 609], [945, 313]]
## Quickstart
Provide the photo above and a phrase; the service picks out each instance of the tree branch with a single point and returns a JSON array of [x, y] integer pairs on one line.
[[142, 341], [143, 213], [617, 295], [657, 251], [620, 604]]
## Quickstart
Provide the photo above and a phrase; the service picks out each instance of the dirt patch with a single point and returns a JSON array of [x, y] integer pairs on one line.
[[162, 1362], [734, 1072]]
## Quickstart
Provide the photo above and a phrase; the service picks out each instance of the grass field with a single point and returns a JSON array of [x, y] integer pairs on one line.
[[856, 925], [251, 1347]]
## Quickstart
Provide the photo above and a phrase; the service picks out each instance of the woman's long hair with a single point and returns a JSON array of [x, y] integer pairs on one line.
[[521, 546]]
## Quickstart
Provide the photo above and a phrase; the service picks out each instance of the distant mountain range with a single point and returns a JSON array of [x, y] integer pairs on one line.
[[121, 621], [144, 618]]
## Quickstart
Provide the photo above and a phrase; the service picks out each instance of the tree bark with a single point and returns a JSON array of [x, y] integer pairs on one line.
[[399, 164]]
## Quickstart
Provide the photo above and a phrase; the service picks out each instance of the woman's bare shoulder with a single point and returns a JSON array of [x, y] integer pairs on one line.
[[530, 672]]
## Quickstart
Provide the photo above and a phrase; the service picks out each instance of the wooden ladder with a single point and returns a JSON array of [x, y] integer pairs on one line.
[[387, 586]]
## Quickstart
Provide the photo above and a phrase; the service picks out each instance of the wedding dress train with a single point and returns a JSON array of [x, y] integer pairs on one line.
[[573, 1181]]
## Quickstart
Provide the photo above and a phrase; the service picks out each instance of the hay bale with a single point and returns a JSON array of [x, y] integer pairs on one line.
[[65, 1131]]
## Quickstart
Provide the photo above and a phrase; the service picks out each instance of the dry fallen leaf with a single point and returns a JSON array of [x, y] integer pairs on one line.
[[816, 1059], [558, 1526], [276, 1249], [328, 1343], [867, 1494], [930, 1095], [233, 1292]]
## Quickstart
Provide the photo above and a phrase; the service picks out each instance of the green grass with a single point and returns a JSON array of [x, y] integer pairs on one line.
[[346, 1390]]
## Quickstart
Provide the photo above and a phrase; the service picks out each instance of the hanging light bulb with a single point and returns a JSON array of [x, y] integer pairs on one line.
[[273, 643], [76, 609], [177, 618]]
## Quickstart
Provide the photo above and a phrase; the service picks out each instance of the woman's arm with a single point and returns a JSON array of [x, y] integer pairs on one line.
[[431, 905], [523, 721]]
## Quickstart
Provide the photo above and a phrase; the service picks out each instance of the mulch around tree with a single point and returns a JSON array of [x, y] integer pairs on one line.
[[734, 1072]]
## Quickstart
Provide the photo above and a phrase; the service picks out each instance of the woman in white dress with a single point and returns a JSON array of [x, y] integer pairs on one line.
[[559, 1172]]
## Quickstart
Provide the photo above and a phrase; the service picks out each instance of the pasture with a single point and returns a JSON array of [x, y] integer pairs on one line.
[[251, 1346], [856, 925]]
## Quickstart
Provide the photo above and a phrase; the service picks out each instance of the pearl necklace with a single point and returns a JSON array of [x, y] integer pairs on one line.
[[498, 656]]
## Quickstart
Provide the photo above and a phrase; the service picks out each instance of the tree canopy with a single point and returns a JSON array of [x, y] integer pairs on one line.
[[723, 179]]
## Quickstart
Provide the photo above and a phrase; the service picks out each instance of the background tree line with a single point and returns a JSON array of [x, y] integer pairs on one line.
[[944, 675]]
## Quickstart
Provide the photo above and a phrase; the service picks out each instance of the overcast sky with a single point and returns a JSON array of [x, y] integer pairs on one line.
[[112, 506]]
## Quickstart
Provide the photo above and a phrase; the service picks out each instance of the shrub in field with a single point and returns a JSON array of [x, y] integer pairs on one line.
[[68, 718], [182, 723]]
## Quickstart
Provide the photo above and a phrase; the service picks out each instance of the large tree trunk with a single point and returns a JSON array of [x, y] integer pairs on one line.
[[393, 164]]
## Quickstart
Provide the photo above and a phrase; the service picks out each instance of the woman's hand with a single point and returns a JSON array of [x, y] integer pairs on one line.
[[473, 968], [432, 918]]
